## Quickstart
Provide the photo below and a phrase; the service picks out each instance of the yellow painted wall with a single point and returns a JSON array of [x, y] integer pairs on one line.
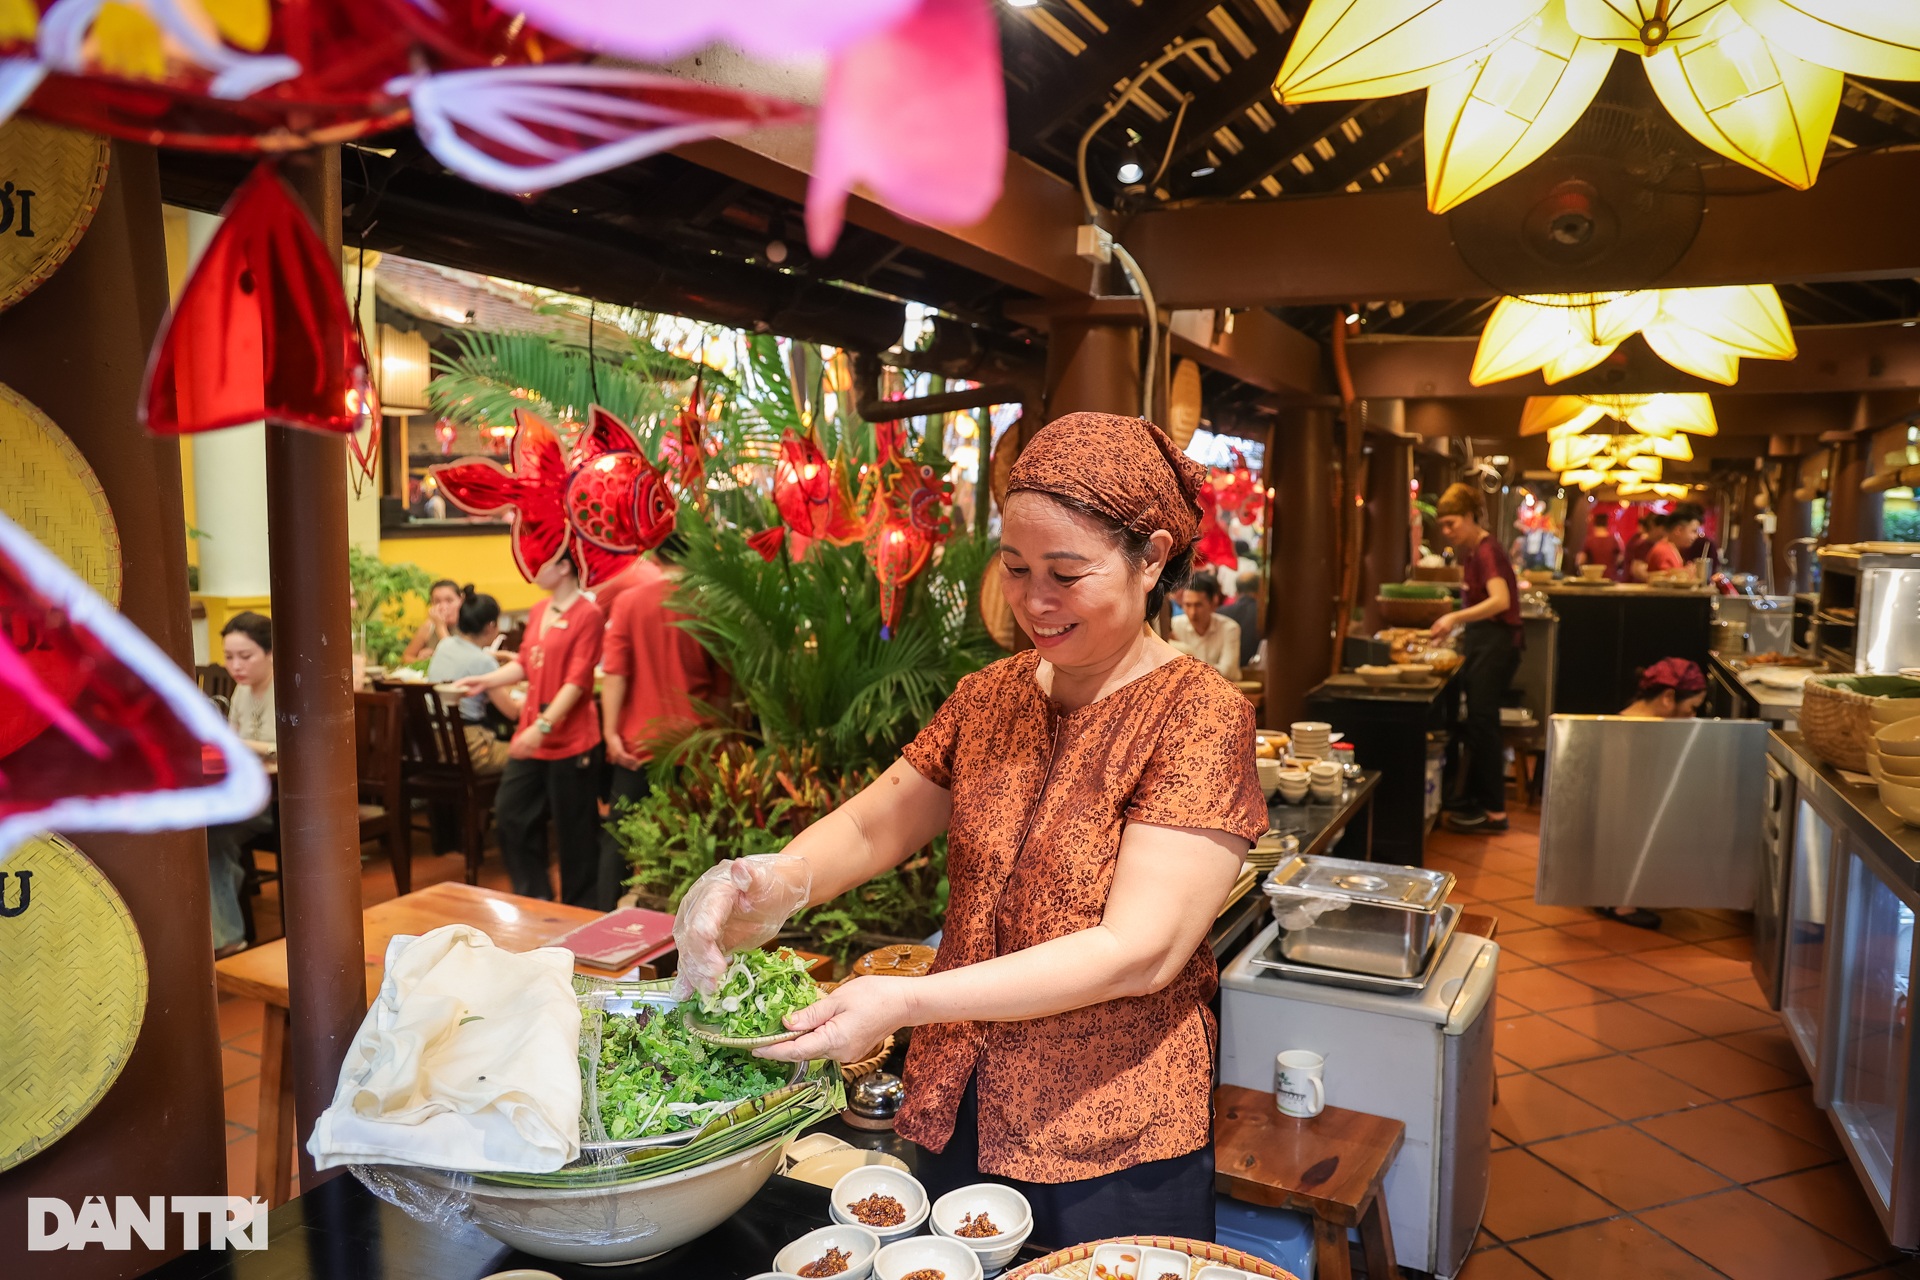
[[483, 560]]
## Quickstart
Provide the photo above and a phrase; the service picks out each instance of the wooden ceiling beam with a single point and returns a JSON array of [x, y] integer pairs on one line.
[[1875, 358], [1135, 35], [1027, 241], [1856, 223]]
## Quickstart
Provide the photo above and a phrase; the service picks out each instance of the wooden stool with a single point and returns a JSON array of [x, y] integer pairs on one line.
[[1331, 1166]]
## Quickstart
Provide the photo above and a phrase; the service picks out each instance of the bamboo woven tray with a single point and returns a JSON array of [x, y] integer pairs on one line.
[[1077, 1263]]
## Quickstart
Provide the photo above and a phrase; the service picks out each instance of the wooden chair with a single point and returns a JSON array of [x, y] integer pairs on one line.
[[216, 684], [379, 752], [438, 768]]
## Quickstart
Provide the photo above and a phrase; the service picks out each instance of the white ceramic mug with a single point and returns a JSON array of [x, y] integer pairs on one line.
[[1299, 1083]]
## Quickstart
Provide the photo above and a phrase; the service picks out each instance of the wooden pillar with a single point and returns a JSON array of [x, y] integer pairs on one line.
[[75, 347], [1853, 516], [313, 699], [1093, 365], [1305, 578], [1389, 493]]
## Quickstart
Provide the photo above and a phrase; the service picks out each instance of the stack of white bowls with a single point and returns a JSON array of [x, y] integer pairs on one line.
[[1292, 783], [1325, 780], [1893, 753], [1312, 739], [1006, 1208], [950, 1258]]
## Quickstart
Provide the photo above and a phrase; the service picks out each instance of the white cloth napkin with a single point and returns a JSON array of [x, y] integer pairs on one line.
[[468, 1060]]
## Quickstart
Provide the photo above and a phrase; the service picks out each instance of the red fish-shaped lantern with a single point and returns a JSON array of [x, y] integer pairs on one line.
[[602, 501], [814, 500], [99, 730], [618, 503], [532, 491]]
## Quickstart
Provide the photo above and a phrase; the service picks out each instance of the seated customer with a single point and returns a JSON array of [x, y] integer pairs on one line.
[[247, 646], [1201, 631], [1670, 689], [488, 717], [443, 607]]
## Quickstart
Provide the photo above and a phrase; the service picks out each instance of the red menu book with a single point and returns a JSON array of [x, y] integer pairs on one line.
[[621, 938]]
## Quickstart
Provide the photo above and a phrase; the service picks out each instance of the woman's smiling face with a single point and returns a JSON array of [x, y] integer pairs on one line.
[[1069, 582]]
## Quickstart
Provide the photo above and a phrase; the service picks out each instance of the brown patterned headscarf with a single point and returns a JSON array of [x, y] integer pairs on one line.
[[1125, 468]]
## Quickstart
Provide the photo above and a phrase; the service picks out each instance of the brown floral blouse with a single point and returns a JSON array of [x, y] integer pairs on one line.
[[1040, 798]]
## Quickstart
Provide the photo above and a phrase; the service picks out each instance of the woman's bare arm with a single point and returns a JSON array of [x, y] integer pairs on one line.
[[1167, 891]]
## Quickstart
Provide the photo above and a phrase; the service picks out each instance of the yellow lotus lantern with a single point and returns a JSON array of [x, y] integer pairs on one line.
[[1643, 489], [1705, 332], [1758, 81], [1665, 414], [1573, 452]]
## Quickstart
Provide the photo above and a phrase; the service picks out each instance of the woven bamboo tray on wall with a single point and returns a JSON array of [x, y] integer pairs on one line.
[[48, 489]]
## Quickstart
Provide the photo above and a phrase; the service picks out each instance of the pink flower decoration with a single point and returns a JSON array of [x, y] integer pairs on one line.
[[658, 30], [918, 114]]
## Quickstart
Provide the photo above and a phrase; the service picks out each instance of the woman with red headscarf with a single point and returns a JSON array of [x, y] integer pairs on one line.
[[1670, 689], [1098, 795]]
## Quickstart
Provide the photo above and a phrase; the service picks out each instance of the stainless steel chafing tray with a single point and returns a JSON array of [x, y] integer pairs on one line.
[[1363, 917]]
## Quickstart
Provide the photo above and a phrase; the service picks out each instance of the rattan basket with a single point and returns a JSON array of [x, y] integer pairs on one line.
[[867, 1066], [1074, 1263], [1836, 723]]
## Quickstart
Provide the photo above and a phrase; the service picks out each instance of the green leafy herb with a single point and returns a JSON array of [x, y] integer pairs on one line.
[[761, 988], [655, 1078]]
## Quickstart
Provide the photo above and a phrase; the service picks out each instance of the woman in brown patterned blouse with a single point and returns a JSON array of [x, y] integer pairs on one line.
[[1099, 794]]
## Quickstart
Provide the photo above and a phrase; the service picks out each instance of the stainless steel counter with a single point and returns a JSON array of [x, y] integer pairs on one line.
[[1891, 845]]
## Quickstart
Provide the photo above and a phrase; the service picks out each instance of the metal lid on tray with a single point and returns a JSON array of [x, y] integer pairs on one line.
[[1377, 884]]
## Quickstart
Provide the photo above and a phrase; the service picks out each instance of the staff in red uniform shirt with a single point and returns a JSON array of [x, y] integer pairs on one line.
[[1489, 623], [555, 765], [655, 677], [1602, 546]]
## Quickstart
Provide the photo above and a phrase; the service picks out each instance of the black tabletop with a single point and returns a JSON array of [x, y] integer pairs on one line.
[[1317, 825], [341, 1231]]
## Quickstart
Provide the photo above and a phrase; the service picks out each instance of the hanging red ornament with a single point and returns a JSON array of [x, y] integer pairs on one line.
[[99, 730], [813, 497], [363, 442], [532, 491], [1215, 546], [906, 518], [262, 328]]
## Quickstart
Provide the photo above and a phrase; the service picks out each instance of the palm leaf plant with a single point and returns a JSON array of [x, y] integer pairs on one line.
[[829, 703]]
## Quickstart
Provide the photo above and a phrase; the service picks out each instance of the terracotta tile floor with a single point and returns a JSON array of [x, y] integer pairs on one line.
[[1653, 1120], [240, 1019]]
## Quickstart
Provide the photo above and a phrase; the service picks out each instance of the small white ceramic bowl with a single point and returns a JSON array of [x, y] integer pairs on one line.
[[1217, 1272], [923, 1253], [1007, 1208], [1904, 770], [1899, 739], [1269, 772], [1886, 711], [880, 1180], [858, 1243], [1904, 801]]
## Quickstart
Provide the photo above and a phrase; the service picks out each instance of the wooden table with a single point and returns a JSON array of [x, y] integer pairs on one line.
[[260, 973], [1332, 1167]]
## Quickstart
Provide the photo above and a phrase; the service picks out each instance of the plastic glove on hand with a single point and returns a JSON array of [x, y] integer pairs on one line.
[[735, 904]]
